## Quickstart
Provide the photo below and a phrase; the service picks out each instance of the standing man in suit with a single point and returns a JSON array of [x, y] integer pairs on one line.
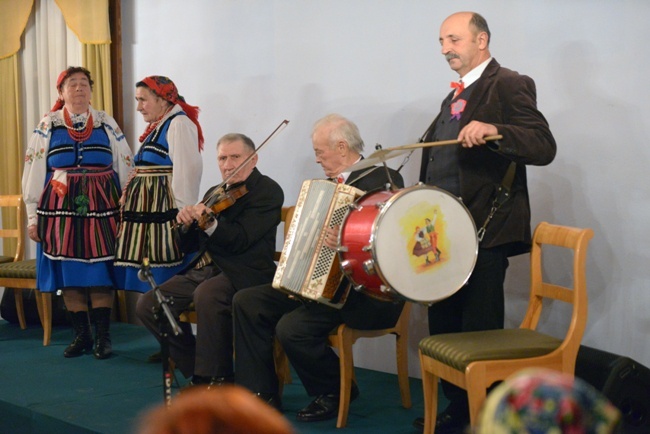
[[235, 251], [488, 100], [302, 327]]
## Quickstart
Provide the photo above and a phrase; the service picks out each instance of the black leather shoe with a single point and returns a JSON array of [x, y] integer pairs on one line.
[[446, 423], [210, 382], [324, 406], [103, 348], [80, 345], [83, 340], [272, 399]]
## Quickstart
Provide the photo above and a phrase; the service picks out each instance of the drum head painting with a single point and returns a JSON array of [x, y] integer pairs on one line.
[[425, 243]]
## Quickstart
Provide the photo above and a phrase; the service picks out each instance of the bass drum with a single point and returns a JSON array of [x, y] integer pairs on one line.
[[418, 244]]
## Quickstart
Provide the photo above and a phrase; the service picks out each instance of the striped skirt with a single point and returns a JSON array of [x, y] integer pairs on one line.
[[81, 224], [148, 221]]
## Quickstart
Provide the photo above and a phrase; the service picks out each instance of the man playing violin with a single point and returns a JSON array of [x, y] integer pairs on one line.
[[234, 229], [301, 326]]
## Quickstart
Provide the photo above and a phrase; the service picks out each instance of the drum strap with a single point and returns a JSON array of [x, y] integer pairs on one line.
[[503, 194]]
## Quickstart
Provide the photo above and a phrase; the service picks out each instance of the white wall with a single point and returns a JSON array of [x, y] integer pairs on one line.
[[250, 64]]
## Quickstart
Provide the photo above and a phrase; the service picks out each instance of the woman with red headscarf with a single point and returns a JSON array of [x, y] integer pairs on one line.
[[167, 178], [76, 161]]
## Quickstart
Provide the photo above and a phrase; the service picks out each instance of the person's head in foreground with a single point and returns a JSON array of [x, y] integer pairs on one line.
[[540, 401], [223, 410]]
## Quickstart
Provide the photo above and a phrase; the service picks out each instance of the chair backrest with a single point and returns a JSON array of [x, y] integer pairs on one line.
[[287, 215], [14, 210], [577, 240]]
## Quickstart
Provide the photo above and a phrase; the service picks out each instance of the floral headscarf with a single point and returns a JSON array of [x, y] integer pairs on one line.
[[166, 89], [542, 401]]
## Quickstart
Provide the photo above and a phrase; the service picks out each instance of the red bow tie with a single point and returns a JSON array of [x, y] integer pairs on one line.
[[459, 86]]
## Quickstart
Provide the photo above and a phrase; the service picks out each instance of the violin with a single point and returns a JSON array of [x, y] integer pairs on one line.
[[218, 201]]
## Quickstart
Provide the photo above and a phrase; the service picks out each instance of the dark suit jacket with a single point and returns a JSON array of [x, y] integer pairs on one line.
[[507, 100], [362, 311], [243, 243]]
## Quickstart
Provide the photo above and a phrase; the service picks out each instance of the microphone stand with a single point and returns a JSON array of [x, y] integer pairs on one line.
[[166, 324]]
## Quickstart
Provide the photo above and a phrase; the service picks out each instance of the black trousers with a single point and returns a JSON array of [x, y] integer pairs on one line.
[[302, 327], [210, 353], [479, 305]]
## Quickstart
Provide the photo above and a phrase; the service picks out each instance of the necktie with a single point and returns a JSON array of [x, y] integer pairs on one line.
[[340, 179], [459, 86]]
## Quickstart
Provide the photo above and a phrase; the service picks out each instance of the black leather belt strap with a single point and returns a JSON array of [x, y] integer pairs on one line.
[[503, 194]]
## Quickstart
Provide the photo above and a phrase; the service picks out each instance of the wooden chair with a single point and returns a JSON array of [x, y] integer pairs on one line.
[[286, 216], [343, 337], [476, 360], [281, 361], [20, 274], [13, 204]]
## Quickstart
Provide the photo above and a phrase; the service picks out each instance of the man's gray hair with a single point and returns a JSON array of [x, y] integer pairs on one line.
[[234, 137], [341, 128]]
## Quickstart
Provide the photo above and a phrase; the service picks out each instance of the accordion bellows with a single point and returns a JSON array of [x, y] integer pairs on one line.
[[307, 267]]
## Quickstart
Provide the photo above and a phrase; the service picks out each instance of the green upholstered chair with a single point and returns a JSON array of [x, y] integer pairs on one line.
[[476, 360], [19, 274]]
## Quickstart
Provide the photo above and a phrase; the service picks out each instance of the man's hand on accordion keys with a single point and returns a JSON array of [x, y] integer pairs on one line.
[[331, 237]]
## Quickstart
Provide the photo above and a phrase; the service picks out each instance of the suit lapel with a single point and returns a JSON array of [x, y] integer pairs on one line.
[[354, 175], [482, 86]]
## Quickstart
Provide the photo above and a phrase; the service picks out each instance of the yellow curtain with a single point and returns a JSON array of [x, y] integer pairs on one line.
[[97, 58], [10, 125], [12, 149], [89, 21], [13, 19]]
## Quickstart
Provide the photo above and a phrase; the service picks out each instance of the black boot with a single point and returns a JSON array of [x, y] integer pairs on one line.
[[102, 319], [83, 340]]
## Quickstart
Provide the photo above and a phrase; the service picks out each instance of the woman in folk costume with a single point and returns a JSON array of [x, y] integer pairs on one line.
[[76, 161], [167, 178]]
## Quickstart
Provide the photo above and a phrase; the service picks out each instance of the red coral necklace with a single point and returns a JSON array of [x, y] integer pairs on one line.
[[78, 134], [153, 125]]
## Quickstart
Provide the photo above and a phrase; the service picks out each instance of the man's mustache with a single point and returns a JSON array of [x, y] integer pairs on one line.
[[450, 56]]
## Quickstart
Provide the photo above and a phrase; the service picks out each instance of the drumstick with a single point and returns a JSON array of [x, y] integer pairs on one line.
[[441, 143], [382, 155]]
